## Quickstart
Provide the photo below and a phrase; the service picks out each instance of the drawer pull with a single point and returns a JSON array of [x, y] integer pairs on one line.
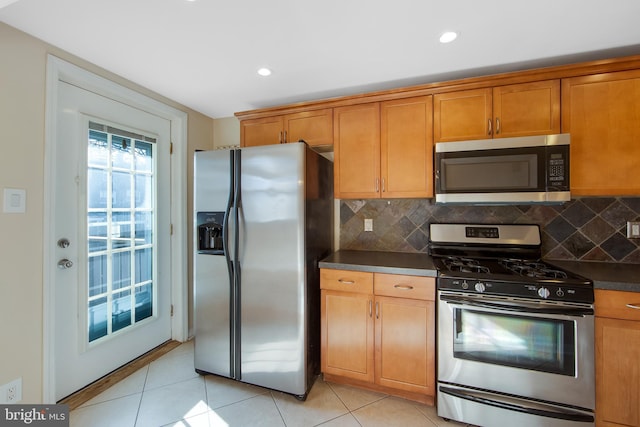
[[635, 306], [347, 282], [403, 287]]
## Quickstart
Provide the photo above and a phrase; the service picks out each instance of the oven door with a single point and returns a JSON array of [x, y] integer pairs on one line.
[[536, 350]]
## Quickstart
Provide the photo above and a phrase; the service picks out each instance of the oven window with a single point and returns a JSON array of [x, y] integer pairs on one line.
[[533, 343]]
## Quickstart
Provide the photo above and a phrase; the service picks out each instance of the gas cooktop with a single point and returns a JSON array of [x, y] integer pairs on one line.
[[501, 260]]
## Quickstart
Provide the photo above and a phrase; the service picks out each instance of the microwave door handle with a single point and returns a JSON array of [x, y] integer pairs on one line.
[[567, 311], [540, 409]]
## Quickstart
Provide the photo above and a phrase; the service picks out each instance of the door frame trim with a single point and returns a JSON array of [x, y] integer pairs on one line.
[[60, 70]]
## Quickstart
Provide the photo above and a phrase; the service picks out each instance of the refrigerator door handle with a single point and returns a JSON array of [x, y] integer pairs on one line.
[[230, 214], [225, 225], [236, 281]]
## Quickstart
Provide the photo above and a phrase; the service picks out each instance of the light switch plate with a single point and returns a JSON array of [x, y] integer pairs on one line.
[[368, 224], [15, 200]]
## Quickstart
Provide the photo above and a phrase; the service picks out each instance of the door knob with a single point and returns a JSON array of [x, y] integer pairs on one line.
[[63, 243], [64, 264]]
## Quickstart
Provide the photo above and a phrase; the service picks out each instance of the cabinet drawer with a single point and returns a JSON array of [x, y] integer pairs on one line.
[[615, 304], [414, 287], [347, 281]]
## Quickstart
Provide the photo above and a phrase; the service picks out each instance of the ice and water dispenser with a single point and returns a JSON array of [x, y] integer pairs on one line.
[[210, 233]]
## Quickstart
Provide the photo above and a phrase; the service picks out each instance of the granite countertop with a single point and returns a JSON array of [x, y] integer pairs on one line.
[[605, 275], [413, 264]]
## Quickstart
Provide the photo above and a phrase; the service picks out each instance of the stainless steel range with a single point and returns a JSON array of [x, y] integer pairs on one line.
[[515, 334]]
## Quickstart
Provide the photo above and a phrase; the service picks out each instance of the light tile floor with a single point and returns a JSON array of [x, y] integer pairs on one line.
[[168, 392]]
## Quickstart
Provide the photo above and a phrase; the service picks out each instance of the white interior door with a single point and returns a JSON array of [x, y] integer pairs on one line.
[[112, 226]]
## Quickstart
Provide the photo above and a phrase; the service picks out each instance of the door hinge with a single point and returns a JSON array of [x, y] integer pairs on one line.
[[171, 310], [171, 148], [171, 230]]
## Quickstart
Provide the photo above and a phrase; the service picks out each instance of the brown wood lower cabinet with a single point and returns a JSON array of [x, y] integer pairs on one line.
[[617, 342], [378, 332]]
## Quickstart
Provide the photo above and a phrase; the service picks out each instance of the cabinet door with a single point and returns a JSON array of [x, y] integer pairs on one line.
[[462, 115], [405, 344], [526, 109], [265, 131], [347, 335], [357, 151], [601, 112], [314, 127], [617, 372], [407, 147]]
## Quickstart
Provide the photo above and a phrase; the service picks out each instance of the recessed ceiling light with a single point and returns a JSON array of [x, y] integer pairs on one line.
[[264, 71], [448, 37]]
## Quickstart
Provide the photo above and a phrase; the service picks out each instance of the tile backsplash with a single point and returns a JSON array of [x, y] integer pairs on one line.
[[586, 229]]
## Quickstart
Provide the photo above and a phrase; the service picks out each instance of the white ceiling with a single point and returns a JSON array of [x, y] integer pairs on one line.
[[204, 54]]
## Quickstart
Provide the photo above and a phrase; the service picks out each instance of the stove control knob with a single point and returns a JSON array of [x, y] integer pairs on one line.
[[480, 287], [544, 293], [465, 285]]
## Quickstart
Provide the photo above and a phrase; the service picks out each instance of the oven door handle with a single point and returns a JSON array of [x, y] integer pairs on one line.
[[567, 311], [548, 411]]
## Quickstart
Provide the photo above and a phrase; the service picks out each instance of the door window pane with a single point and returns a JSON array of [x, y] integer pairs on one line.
[[121, 191], [97, 188], [144, 228], [144, 299], [121, 188], [143, 156], [121, 152], [97, 232], [121, 311], [97, 275], [97, 318], [121, 229]]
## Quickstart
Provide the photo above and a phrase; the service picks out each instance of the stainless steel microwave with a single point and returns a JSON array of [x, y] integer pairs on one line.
[[522, 170]]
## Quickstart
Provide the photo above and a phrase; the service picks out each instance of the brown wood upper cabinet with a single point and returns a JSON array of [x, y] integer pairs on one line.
[[314, 127], [602, 114], [500, 112], [384, 149]]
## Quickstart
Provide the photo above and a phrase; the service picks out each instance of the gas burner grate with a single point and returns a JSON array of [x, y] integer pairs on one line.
[[534, 269], [465, 265]]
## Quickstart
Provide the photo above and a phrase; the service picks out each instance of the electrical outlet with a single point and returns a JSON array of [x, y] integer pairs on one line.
[[11, 393], [368, 224], [633, 230]]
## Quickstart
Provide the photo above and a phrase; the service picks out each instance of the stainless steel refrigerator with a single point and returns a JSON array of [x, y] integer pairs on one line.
[[263, 220]]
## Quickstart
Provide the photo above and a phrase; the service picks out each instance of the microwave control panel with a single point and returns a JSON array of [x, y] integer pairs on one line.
[[558, 167]]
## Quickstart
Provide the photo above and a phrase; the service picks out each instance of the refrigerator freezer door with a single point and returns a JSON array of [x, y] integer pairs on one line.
[[272, 248], [212, 184]]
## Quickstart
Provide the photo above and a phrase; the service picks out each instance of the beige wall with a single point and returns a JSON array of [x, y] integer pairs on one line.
[[22, 120], [226, 132]]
